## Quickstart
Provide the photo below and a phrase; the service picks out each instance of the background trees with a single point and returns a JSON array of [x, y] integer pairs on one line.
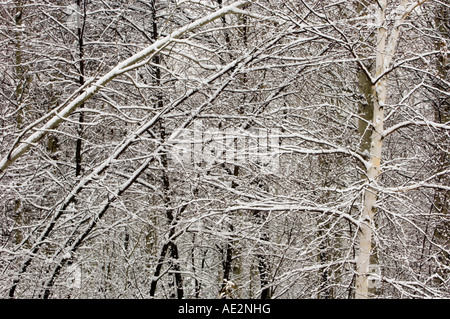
[[315, 141]]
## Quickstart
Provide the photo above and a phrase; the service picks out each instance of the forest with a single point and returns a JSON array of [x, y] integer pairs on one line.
[[223, 149]]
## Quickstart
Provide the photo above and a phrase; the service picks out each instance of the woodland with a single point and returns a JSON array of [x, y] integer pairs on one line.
[[208, 149]]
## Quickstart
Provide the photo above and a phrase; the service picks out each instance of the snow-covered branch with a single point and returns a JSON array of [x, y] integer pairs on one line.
[[129, 64]]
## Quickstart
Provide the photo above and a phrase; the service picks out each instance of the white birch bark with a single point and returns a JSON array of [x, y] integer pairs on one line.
[[385, 50]]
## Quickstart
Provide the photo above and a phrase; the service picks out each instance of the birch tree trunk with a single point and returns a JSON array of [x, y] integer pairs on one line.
[[385, 50], [373, 171]]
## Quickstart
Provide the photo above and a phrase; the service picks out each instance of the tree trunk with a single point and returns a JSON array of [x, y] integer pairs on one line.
[[373, 170], [385, 51], [81, 81]]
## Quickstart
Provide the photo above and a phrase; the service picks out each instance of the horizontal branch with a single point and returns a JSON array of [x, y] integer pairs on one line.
[[400, 125]]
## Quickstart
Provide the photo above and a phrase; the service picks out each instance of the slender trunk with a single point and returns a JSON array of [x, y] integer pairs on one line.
[[373, 171], [263, 266], [177, 283], [176, 271], [227, 266], [227, 262], [168, 247], [20, 77], [197, 284], [78, 149], [442, 115], [156, 274], [19, 69], [325, 291], [81, 81]]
